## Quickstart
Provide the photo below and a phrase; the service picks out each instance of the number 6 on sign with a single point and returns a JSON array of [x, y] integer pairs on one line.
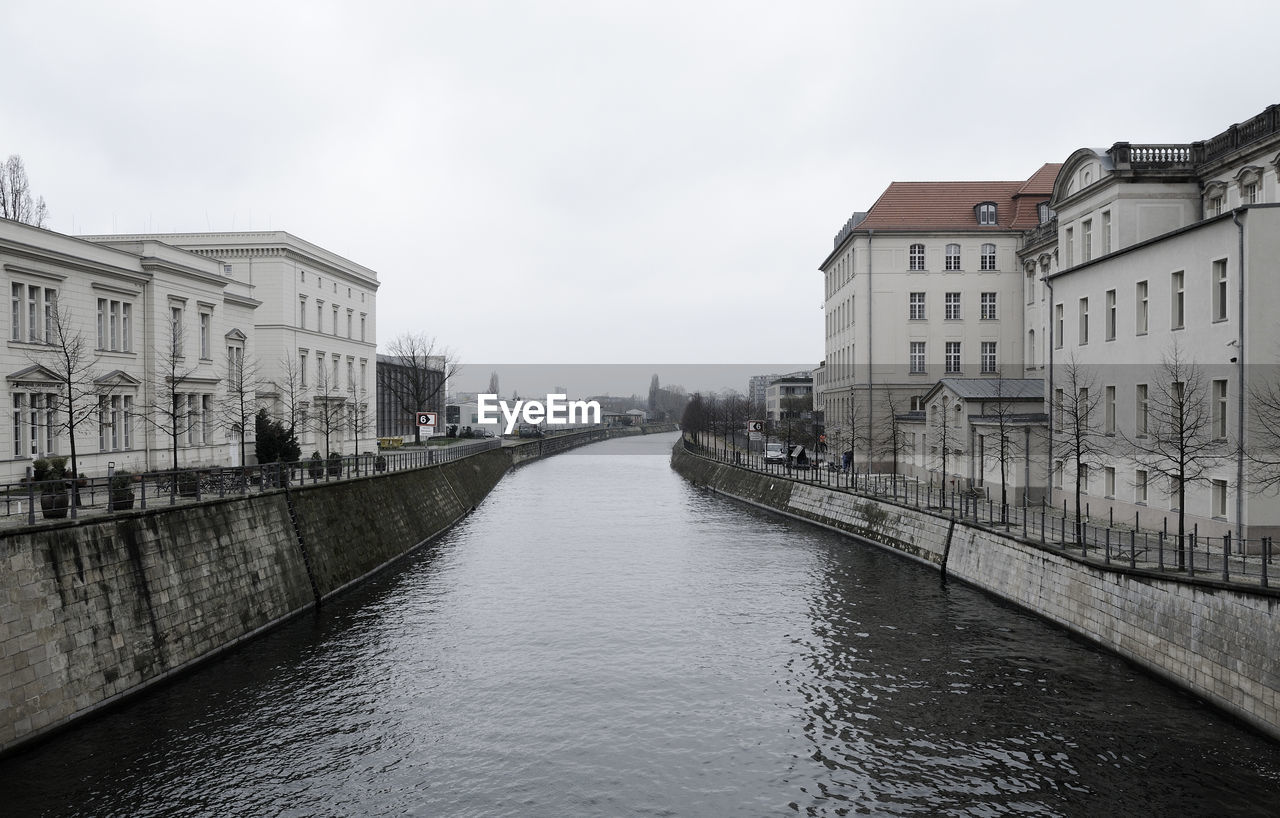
[[426, 418]]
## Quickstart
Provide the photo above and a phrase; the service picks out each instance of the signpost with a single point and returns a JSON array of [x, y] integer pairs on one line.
[[755, 429], [427, 422]]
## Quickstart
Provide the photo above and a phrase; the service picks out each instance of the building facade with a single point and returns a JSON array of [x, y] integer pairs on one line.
[[397, 382], [131, 348], [1158, 271], [314, 334], [924, 285]]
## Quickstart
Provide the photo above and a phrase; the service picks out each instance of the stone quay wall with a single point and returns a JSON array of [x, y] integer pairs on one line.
[[98, 609], [1217, 641]]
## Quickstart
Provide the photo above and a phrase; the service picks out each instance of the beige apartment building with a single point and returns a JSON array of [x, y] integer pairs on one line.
[[924, 285]]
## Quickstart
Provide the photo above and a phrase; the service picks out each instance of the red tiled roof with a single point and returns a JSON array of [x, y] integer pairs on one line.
[[950, 205]]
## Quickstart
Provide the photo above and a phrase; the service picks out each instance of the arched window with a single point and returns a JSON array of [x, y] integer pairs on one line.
[[953, 257], [988, 257], [986, 213], [1031, 348], [917, 257]]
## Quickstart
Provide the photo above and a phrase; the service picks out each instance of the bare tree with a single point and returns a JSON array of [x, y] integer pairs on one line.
[[16, 202], [70, 360], [1181, 444], [1077, 403], [421, 370], [359, 411], [1263, 450], [1001, 411], [328, 416], [943, 430], [290, 389], [240, 401], [171, 412], [493, 382], [895, 441]]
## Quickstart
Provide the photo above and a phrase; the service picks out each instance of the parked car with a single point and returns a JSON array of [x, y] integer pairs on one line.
[[774, 453]]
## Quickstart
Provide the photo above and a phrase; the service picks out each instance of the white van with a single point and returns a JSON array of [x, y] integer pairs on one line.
[[774, 453]]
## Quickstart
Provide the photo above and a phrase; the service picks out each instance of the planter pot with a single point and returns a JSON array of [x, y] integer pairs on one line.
[[54, 504], [122, 502]]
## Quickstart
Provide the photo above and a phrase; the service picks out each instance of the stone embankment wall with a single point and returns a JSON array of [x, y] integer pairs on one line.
[[1220, 642], [97, 609]]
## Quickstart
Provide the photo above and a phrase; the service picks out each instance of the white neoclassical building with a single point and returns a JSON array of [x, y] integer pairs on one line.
[[924, 285], [314, 329], [122, 307], [1157, 251]]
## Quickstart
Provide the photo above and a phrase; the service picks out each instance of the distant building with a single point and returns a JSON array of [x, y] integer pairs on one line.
[[395, 385]]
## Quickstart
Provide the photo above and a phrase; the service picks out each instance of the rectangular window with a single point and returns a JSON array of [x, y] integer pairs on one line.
[[1059, 400], [320, 381], [1250, 194], [988, 306], [102, 323], [1086, 240], [917, 357], [1177, 316], [952, 307], [1140, 486], [302, 312], [206, 418], [15, 331], [1214, 206], [302, 369], [335, 319], [19, 407], [988, 357], [953, 257], [319, 316], [114, 319], [351, 375], [1084, 478], [1082, 408], [1106, 231], [916, 257], [1109, 410], [1220, 290], [1084, 321], [206, 330], [1111, 315], [175, 330], [362, 326], [1144, 311], [1057, 326], [126, 327], [126, 422], [1070, 243], [1220, 409], [50, 305], [1057, 474], [1140, 410], [350, 318], [1109, 481], [1219, 498], [916, 308], [988, 257], [33, 312], [953, 357]]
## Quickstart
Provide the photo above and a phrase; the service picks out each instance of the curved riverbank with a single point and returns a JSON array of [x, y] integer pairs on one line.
[[1217, 642], [99, 609]]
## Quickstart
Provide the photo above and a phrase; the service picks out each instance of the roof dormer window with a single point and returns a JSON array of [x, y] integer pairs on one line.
[[1045, 213], [986, 213]]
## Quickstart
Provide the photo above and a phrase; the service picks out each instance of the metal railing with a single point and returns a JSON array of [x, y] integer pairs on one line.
[[27, 502], [1224, 558]]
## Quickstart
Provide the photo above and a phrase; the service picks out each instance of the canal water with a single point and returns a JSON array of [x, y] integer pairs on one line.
[[600, 638]]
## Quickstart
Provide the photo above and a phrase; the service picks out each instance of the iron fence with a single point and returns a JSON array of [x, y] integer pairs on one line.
[[27, 501], [1224, 558]]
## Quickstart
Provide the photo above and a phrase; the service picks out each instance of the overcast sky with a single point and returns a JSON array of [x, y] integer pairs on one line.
[[591, 182]]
